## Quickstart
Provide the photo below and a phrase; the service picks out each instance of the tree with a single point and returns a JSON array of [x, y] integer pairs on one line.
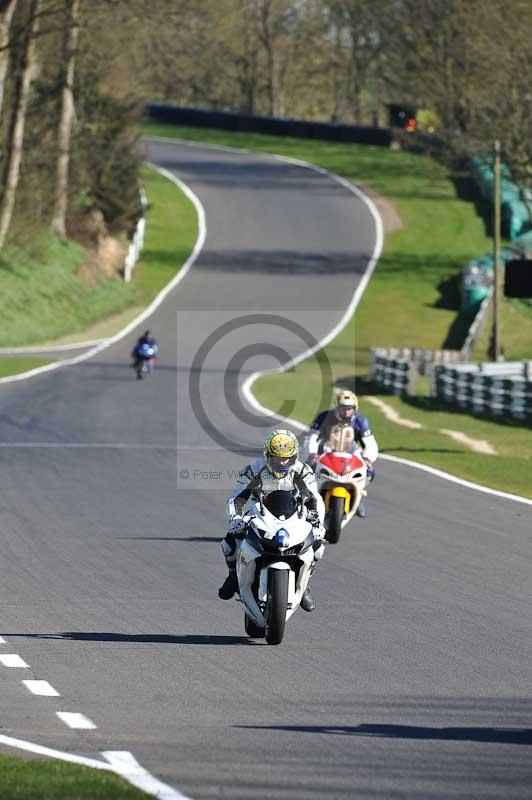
[[7, 9], [357, 47], [15, 139], [70, 40]]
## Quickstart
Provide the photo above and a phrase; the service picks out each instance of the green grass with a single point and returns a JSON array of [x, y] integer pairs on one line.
[[14, 366], [57, 780], [43, 297], [171, 232], [515, 332], [412, 300]]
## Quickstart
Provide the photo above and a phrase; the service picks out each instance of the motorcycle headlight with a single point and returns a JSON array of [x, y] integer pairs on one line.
[[282, 538]]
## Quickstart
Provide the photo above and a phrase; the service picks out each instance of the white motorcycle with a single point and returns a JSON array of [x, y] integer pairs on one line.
[[274, 563]]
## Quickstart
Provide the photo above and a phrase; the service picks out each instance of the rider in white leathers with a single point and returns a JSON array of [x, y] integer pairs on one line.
[[279, 470]]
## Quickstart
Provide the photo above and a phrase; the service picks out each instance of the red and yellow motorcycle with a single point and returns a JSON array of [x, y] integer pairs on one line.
[[342, 479]]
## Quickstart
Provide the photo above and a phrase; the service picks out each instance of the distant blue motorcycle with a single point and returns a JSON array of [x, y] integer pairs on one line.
[[144, 355]]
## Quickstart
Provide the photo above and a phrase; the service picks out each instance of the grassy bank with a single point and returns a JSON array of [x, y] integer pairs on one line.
[[15, 366], [515, 331], [45, 295], [57, 780], [412, 299]]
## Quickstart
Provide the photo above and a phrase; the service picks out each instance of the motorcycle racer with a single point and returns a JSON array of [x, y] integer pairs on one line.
[[278, 470], [145, 339], [342, 428]]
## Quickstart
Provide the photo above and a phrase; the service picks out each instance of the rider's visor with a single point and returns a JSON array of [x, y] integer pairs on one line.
[[345, 412], [280, 464]]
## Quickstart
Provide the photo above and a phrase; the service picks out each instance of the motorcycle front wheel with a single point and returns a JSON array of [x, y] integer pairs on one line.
[[334, 519], [253, 630], [276, 605]]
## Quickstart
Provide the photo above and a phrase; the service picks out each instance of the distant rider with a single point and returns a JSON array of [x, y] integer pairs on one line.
[[145, 339], [341, 429], [279, 470]]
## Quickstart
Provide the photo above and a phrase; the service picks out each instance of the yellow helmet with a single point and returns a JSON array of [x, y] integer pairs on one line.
[[346, 405], [281, 450]]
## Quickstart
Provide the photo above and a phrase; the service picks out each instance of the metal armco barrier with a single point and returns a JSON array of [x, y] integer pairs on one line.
[[498, 388], [277, 126], [137, 243], [477, 326]]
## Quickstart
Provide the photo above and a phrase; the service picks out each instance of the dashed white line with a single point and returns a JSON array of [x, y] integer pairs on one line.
[[41, 687], [75, 720], [12, 660], [2, 640]]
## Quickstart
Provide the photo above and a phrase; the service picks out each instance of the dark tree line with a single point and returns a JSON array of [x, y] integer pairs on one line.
[[68, 147], [74, 75]]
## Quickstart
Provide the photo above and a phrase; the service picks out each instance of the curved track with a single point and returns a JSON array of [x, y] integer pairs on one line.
[[412, 679]]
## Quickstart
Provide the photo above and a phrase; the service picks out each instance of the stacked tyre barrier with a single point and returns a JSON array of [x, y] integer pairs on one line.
[[392, 374], [516, 218], [498, 389], [516, 202], [397, 369]]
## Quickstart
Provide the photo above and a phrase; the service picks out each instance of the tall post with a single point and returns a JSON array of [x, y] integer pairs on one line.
[[495, 348]]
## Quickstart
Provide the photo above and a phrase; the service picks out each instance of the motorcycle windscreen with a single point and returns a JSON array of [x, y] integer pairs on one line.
[[282, 504]]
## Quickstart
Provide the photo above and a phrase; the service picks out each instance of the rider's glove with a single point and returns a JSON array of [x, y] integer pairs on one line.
[[370, 469], [314, 518], [237, 527]]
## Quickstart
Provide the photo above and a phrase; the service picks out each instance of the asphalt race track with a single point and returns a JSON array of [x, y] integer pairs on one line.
[[413, 677]]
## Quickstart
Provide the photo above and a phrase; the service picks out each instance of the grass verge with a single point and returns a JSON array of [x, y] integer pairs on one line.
[[412, 299], [14, 366], [44, 298], [57, 780], [515, 331]]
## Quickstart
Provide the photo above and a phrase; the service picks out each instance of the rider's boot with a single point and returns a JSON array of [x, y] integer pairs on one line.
[[307, 601], [229, 586], [361, 510]]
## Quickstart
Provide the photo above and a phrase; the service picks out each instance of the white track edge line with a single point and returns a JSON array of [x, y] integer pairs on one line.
[[200, 240], [439, 473], [127, 765], [120, 766]]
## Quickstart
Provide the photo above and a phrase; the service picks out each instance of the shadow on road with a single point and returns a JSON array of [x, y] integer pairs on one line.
[[174, 538], [141, 638], [458, 734]]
